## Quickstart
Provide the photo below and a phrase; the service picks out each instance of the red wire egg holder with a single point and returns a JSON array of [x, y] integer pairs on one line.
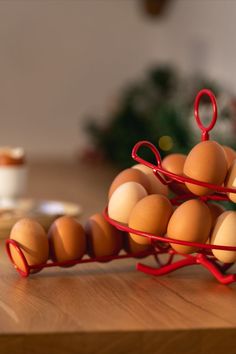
[[159, 245]]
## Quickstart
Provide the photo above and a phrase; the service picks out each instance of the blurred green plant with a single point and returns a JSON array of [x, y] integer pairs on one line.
[[157, 109]]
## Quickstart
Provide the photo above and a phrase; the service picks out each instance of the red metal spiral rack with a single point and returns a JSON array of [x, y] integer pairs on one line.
[[203, 256]]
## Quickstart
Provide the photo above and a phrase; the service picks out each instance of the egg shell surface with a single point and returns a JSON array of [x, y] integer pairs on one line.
[[131, 246], [224, 234], [130, 175], [206, 162], [156, 186], [230, 154], [103, 238], [175, 163], [32, 240], [124, 199], [192, 222], [151, 214], [216, 210], [230, 181], [67, 239]]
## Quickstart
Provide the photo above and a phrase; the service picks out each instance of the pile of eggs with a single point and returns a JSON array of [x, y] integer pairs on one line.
[[138, 199]]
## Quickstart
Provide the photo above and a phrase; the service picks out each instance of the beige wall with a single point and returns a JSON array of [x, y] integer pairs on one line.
[[60, 60]]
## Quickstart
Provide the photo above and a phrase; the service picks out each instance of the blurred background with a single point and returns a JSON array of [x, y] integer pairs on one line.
[[88, 78]]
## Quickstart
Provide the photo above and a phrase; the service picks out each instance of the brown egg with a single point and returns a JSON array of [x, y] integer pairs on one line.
[[32, 240], [103, 238], [67, 239], [11, 156], [131, 246], [206, 162], [230, 181], [129, 175], [216, 210], [191, 221], [230, 154], [150, 214], [175, 163], [124, 199], [224, 235], [156, 186]]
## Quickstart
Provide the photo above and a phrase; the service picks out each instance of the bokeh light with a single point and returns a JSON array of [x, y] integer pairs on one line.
[[166, 143]]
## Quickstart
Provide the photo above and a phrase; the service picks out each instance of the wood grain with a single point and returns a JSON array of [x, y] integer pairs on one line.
[[110, 307]]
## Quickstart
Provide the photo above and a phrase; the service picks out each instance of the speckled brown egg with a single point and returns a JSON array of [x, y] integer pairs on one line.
[[124, 199], [129, 175], [150, 214], [192, 222], [156, 186], [103, 238], [206, 162], [67, 239], [32, 240], [224, 235], [175, 163], [230, 154], [230, 181]]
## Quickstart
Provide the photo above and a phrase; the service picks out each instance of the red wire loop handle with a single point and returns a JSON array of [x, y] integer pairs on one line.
[[205, 130], [157, 155], [23, 272], [150, 146]]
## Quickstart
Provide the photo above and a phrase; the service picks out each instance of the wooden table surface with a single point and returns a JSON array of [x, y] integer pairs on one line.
[[109, 308]]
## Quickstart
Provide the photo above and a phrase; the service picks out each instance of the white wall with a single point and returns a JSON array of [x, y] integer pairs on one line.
[[60, 60]]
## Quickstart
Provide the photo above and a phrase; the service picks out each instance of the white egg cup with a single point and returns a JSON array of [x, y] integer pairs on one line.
[[13, 181]]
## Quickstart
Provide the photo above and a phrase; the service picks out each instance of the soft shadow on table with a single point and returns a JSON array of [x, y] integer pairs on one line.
[[192, 274]]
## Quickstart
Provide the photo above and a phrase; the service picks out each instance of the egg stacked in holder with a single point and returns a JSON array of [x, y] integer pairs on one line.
[[191, 227]]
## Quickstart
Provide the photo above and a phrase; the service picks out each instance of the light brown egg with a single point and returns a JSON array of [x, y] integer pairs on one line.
[[32, 240], [191, 221], [156, 186], [230, 154], [224, 234], [129, 175], [150, 214], [230, 181], [103, 238], [215, 210], [206, 162], [124, 199], [132, 246], [67, 239], [175, 163]]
